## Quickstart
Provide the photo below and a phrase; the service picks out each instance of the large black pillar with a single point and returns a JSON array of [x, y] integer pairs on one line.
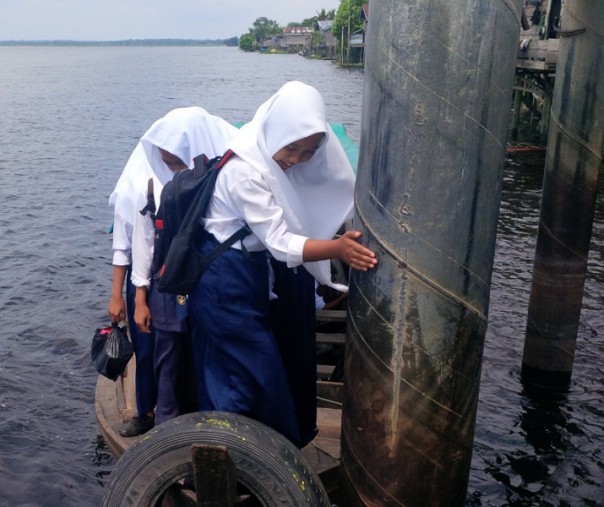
[[436, 107]]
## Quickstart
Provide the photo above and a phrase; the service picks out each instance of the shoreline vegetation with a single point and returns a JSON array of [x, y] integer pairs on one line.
[[312, 38], [233, 41]]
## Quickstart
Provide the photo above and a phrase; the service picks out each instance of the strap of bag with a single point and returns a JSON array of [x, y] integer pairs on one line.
[[228, 243], [236, 236], [150, 206], [177, 186], [225, 158]]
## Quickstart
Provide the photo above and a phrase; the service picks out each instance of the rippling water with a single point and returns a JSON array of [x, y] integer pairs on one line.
[[69, 118]]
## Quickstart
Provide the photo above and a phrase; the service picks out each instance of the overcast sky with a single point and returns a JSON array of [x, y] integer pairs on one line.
[[145, 19]]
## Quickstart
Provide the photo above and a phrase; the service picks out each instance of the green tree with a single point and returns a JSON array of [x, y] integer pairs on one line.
[[316, 39], [348, 15], [323, 15], [347, 22], [263, 27], [247, 42]]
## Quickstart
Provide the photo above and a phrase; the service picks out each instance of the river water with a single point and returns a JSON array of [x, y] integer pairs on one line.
[[69, 118]]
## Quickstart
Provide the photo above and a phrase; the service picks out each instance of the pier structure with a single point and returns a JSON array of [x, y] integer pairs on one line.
[[536, 59]]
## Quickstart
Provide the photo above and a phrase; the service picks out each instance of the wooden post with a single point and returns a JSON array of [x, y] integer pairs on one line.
[[348, 42], [214, 474], [516, 114], [545, 114], [427, 201], [572, 166], [342, 47]]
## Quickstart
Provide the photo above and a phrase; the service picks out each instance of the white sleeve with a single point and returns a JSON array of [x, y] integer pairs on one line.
[[255, 201], [143, 234], [242, 196], [122, 241]]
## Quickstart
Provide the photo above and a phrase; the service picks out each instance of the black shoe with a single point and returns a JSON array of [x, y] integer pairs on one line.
[[137, 426]]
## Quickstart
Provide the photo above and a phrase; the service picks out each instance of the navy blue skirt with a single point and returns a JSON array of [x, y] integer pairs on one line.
[[293, 316], [238, 363]]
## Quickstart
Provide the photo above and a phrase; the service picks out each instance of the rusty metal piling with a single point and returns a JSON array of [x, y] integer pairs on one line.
[[572, 166]]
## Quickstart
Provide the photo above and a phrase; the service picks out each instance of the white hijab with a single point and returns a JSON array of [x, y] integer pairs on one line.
[[184, 132], [317, 195]]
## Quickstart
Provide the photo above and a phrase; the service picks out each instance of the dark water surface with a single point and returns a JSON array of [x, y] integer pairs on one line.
[[69, 118]]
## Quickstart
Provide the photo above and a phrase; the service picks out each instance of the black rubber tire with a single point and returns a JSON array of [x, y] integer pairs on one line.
[[274, 470]]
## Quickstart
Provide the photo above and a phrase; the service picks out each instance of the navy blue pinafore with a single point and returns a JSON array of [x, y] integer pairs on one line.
[[238, 364]]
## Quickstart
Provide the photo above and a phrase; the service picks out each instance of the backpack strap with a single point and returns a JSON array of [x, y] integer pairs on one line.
[[228, 243], [150, 206], [225, 158], [236, 236], [223, 247]]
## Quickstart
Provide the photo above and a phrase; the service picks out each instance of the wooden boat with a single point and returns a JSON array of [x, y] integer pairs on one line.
[[115, 404]]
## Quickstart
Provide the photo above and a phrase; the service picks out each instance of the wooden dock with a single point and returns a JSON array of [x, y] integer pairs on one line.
[[536, 60]]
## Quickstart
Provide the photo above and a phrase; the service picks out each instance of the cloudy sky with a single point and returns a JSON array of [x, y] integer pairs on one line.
[[145, 19]]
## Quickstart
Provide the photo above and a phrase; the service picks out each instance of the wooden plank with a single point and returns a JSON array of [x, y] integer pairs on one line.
[[531, 64], [331, 338], [553, 46], [331, 315], [539, 54], [323, 452], [126, 392], [329, 422], [330, 394], [108, 416], [325, 370], [533, 52]]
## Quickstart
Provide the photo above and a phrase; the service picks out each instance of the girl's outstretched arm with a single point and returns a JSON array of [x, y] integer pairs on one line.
[[346, 248]]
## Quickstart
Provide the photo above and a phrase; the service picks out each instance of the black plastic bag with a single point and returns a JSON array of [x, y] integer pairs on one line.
[[111, 350]]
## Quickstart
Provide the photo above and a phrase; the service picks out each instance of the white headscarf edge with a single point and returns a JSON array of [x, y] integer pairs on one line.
[[316, 196], [186, 133]]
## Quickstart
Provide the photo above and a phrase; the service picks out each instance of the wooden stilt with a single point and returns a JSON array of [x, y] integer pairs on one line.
[[215, 476]]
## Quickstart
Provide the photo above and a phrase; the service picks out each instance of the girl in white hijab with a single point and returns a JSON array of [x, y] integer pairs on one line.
[[170, 144], [185, 133], [292, 184]]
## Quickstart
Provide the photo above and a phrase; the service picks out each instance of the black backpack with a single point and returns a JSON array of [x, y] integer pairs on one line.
[[177, 264]]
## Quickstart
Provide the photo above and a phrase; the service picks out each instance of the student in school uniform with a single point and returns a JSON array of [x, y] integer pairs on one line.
[[170, 145], [292, 184]]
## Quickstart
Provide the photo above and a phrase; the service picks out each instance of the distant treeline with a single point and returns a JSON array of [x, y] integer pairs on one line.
[[233, 41]]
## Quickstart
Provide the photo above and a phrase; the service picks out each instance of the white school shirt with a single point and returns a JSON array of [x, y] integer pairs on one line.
[[131, 183], [240, 192], [315, 197], [143, 239], [122, 241]]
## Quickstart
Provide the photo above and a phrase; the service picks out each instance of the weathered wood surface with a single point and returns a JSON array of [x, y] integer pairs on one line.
[[323, 452], [536, 52], [539, 55]]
